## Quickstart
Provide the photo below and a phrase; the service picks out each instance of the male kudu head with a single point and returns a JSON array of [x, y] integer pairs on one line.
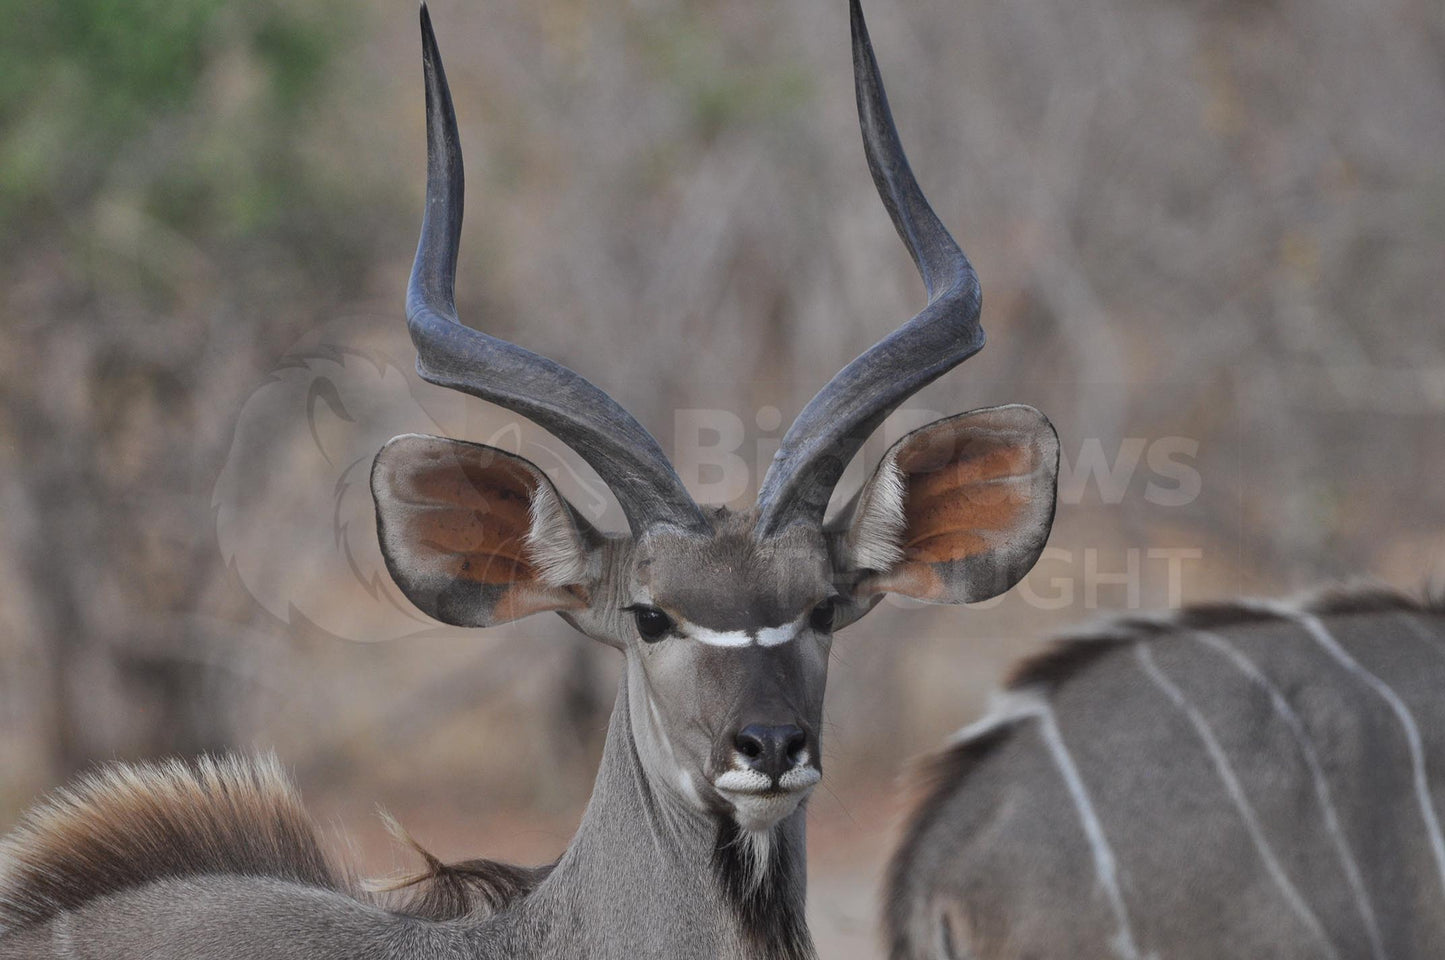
[[725, 618]]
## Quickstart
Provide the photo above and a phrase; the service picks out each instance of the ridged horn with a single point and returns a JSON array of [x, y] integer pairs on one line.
[[449, 354], [837, 421]]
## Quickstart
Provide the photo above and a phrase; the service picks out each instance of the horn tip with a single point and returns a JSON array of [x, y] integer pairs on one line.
[[428, 35]]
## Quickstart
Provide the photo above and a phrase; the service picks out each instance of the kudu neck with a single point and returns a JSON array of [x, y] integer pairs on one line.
[[641, 878]]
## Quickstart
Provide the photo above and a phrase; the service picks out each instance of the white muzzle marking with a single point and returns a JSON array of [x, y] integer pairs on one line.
[[757, 803]]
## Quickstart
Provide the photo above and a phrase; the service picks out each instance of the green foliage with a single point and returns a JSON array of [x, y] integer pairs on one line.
[[188, 104]]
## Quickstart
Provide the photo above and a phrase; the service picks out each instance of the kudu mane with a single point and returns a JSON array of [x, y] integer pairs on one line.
[[126, 826], [1070, 654], [450, 891]]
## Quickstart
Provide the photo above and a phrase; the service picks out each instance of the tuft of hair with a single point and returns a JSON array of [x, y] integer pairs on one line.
[[470, 889], [554, 543], [766, 897], [758, 847], [875, 538], [128, 825], [1339, 601]]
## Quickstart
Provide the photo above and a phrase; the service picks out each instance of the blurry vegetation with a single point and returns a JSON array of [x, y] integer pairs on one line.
[[166, 230], [86, 81], [724, 85]]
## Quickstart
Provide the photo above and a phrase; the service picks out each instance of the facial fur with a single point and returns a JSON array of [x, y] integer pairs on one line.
[[743, 653]]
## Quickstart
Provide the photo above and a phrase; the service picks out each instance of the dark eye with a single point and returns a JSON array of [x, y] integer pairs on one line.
[[821, 619], [652, 623]]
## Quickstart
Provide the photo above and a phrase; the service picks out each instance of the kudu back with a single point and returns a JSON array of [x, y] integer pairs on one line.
[[1240, 780], [692, 844]]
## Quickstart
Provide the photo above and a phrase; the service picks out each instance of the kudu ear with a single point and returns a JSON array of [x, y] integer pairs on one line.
[[958, 511], [475, 536]]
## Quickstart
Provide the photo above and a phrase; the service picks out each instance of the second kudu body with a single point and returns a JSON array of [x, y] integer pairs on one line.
[[692, 844], [1239, 780]]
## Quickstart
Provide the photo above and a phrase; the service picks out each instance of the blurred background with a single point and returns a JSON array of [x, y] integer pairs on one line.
[[1211, 235]]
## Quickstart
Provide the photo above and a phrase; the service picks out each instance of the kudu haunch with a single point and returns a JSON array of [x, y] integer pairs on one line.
[[692, 844]]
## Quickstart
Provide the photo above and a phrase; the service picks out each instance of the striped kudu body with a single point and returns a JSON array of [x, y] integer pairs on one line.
[[1244, 781], [692, 844]]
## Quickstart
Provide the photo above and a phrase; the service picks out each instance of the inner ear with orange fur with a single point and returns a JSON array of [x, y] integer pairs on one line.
[[475, 536], [958, 511]]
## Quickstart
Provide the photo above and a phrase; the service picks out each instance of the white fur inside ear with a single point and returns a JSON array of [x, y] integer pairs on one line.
[[553, 542], [875, 538]]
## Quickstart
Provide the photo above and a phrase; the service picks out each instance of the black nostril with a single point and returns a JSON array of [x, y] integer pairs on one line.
[[749, 746], [795, 745], [771, 750]]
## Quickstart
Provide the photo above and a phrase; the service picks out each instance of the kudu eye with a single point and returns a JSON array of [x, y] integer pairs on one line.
[[821, 619], [652, 623]]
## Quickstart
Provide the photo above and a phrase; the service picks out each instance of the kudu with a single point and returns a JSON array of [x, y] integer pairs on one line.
[[692, 844], [1240, 780]]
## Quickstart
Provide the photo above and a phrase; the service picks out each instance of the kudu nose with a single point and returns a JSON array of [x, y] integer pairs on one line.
[[772, 751]]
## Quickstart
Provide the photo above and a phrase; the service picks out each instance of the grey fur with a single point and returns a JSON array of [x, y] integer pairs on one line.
[[1258, 793]]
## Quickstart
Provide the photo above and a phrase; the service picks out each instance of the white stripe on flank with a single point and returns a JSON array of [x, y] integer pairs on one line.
[[1317, 776], [1122, 942], [1316, 629], [1005, 708], [1017, 705], [1236, 793]]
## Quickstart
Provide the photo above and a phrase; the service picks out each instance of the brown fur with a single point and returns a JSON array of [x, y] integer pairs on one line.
[[1345, 601], [456, 525], [476, 511], [128, 825], [956, 509]]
